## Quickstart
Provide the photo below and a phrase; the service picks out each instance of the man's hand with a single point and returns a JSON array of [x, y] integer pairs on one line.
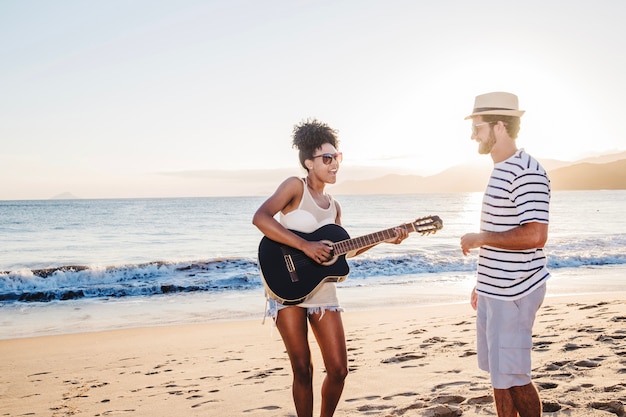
[[527, 236], [470, 241], [474, 299]]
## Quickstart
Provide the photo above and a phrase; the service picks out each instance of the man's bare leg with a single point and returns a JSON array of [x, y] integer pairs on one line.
[[521, 401], [504, 403], [526, 400]]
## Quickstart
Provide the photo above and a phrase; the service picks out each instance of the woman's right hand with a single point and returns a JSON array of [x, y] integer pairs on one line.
[[319, 251]]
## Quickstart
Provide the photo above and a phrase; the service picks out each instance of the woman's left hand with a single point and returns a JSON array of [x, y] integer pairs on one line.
[[401, 234]]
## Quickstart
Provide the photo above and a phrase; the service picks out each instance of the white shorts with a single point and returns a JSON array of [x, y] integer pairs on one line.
[[504, 337], [275, 307]]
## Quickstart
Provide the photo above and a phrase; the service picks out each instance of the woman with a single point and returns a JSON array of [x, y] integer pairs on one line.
[[304, 206]]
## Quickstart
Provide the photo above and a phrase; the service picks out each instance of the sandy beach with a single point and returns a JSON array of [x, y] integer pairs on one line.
[[403, 362]]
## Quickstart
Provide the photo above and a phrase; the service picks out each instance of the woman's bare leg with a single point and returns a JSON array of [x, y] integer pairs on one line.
[[293, 328], [332, 342]]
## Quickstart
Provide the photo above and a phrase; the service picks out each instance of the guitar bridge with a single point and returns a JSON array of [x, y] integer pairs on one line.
[[291, 267]]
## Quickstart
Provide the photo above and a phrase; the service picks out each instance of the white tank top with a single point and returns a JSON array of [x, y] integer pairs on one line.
[[307, 218]]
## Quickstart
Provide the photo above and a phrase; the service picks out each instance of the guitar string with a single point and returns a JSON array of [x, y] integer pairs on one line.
[[366, 240]]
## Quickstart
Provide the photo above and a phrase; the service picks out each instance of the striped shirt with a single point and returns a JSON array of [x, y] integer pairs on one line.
[[518, 192]]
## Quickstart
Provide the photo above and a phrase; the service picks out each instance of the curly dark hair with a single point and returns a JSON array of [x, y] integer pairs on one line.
[[309, 135], [512, 123]]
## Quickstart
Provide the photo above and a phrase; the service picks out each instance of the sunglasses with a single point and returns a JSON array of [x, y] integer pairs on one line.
[[327, 158], [475, 127]]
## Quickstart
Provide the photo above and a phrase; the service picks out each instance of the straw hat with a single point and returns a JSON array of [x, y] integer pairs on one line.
[[503, 104]]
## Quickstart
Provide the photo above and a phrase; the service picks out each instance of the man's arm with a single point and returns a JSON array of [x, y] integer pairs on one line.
[[527, 236]]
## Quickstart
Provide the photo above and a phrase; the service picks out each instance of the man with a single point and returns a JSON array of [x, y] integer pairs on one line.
[[512, 270]]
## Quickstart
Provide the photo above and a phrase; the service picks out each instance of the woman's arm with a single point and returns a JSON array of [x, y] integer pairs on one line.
[[287, 197]]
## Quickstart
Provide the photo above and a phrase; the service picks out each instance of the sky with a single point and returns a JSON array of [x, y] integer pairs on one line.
[[185, 98]]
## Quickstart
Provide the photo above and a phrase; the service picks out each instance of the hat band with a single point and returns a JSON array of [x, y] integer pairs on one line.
[[481, 109]]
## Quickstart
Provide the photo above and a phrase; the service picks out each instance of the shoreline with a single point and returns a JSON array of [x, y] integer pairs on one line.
[[402, 361], [56, 318]]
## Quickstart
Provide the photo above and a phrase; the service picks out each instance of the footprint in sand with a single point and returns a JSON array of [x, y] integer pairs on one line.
[[366, 408], [615, 388], [610, 338], [450, 384], [218, 377], [590, 306], [468, 353], [403, 357], [587, 364], [229, 359], [555, 366], [401, 394], [483, 399], [368, 398], [266, 408], [542, 345], [573, 346], [197, 405], [448, 399], [433, 340], [264, 374], [391, 348], [546, 385], [591, 329], [615, 407], [550, 406]]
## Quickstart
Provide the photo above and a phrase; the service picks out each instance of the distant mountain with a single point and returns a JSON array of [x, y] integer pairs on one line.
[[590, 176], [603, 172], [603, 159], [64, 196], [581, 175]]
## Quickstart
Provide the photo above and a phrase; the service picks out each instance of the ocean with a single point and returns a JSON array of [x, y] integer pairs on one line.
[[83, 265]]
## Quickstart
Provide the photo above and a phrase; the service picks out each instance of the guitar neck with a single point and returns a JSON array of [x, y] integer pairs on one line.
[[349, 245], [424, 225]]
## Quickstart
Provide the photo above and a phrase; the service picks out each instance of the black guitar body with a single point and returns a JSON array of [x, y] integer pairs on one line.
[[290, 276]]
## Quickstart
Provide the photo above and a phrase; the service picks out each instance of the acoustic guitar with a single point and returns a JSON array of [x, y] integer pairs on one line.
[[291, 277]]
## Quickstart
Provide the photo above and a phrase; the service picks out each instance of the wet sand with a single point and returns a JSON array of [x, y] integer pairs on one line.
[[418, 361]]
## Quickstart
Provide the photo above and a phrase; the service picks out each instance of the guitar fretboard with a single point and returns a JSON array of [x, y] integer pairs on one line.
[[424, 225], [345, 246]]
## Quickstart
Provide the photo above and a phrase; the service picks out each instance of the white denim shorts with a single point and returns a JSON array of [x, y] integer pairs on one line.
[[504, 337], [274, 307]]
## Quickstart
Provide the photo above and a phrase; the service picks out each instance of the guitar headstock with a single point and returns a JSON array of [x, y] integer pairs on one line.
[[427, 225]]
